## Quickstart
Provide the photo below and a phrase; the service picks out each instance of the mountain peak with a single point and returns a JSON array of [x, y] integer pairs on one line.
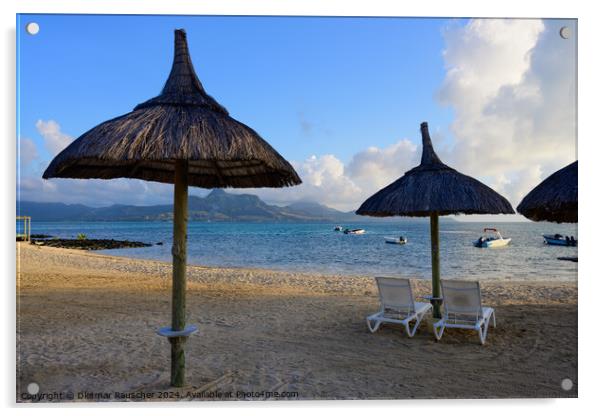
[[216, 192]]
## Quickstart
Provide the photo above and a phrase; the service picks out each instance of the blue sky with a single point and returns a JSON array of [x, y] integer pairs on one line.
[[341, 98], [307, 85]]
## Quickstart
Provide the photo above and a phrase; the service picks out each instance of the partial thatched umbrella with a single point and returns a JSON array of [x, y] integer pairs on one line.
[[555, 199], [430, 190], [184, 137]]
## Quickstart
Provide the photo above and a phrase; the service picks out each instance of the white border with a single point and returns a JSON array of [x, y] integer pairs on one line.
[[590, 137], [457, 8]]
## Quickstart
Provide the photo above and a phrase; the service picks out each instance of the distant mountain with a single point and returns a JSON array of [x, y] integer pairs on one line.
[[315, 209], [217, 206], [51, 211]]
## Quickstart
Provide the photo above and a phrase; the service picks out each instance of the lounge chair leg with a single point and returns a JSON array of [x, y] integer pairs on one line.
[[483, 331], [408, 330], [438, 329], [412, 331], [375, 328], [416, 325], [483, 335]]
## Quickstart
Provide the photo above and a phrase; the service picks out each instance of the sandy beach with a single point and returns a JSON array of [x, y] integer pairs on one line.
[[86, 331]]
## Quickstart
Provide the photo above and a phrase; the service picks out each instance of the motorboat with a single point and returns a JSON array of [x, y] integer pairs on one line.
[[491, 238], [354, 231], [396, 240], [338, 228], [559, 240]]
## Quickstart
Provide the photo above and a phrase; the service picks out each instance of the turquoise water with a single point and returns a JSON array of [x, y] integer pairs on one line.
[[317, 248]]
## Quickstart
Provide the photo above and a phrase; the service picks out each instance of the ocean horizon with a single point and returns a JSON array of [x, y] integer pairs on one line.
[[317, 248]]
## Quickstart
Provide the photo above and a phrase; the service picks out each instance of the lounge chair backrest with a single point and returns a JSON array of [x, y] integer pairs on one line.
[[395, 293], [462, 298]]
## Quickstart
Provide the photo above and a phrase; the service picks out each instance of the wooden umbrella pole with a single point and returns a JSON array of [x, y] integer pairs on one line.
[[178, 251], [435, 265]]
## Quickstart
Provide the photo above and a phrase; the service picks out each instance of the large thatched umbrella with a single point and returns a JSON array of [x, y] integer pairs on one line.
[[430, 190], [184, 137], [554, 199]]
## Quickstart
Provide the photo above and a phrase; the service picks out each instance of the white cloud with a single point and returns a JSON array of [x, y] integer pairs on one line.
[[511, 84], [94, 192], [54, 139], [28, 151], [327, 180], [516, 185], [375, 168]]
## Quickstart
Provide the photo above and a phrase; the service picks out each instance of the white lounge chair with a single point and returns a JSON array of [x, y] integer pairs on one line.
[[463, 309], [397, 305]]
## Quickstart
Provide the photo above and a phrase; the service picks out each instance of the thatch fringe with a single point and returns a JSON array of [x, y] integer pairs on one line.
[[554, 199]]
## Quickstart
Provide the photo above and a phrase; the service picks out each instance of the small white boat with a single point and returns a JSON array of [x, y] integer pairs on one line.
[[396, 240], [354, 231], [491, 238], [559, 240]]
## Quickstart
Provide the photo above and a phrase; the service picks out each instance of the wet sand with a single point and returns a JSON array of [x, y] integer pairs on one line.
[[86, 330]]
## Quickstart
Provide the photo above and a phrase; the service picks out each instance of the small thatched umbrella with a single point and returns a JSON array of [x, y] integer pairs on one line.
[[555, 199], [184, 137], [430, 190]]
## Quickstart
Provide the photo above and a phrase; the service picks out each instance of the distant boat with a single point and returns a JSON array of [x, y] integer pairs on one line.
[[338, 228], [491, 238], [396, 240], [559, 240], [354, 231]]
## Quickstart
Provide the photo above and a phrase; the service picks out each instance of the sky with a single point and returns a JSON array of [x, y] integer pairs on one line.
[[340, 98]]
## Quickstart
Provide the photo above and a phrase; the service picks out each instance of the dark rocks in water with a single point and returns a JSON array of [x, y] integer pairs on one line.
[[160, 243], [40, 236], [573, 259], [88, 244]]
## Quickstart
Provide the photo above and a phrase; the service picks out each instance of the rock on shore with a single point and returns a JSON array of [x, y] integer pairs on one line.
[[88, 244]]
